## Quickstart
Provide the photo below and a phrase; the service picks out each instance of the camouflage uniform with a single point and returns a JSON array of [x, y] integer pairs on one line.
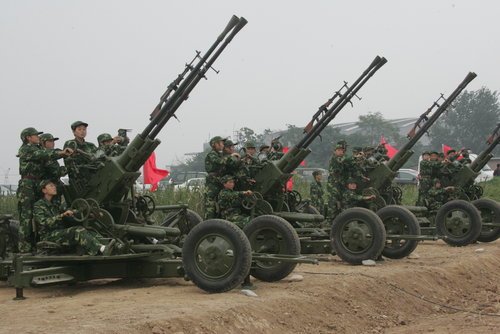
[[317, 195], [32, 159], [436, 197], [230, 207], [351, 199], [214, 166], [76, 173], [52, 227], [337, 176], [108, 149], [51, 169]]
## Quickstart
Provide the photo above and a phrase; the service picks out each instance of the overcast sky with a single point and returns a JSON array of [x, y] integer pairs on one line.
[[108, 62]]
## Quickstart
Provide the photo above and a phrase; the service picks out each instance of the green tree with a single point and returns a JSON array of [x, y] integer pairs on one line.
[[468, 123], [373, 127]]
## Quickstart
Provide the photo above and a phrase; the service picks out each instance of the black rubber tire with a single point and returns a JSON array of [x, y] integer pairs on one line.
[[290, 245], [370, 219], [406, 223], [475, 223], [488, 234], [241, 252]]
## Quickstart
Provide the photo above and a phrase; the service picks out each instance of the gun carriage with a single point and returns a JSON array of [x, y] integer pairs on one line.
[[362, 230], [215, 255]]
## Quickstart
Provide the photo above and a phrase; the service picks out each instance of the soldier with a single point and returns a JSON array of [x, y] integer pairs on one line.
[[276, 151], [465, 159], [437, 196], [425, 171], [263, 152], [32, 159], [77, 174], [214, 165], [250, 161], [107, 145], [352, 199], [337, 176], [343, 144], [55, 224], [229, 202], [316, 191], [52, 170]]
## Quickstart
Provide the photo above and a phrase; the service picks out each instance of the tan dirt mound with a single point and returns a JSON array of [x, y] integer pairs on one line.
[[444, 290]]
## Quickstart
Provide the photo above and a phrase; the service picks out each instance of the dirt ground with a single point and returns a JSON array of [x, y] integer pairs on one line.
[[444, 290]]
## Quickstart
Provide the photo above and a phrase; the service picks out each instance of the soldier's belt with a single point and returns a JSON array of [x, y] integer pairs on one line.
[[31, 177]]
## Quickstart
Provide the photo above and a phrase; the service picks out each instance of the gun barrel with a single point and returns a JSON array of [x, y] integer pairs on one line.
[[343, 99], [483, 158], [181, 93], [400, 158]]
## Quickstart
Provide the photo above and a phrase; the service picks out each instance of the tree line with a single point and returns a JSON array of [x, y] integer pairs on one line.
[[467, 123]]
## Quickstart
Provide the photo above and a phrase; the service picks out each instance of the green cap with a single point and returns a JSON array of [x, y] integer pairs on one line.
[[436, 180], [357, 149], [367, 148], [338, 147], [351, 180], [216, 139], [43, 183], [263, 146], [342, 142], [433, 152], [47, 137], [104, 137], [29, 132], [451, 151], [317, 172], [426, 152], [76, 124], [229, 142], [226, 178], [250, 144], [441, 155]]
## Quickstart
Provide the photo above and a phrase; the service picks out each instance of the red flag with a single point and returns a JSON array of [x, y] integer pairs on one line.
[[153, 175], [446, 148], [285, 149], [390, 150]]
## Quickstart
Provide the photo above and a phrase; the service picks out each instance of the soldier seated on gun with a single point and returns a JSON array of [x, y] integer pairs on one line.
[[56, 225], [51, 168], [352, 199], [437, 196], [107, 145], [230, 202]]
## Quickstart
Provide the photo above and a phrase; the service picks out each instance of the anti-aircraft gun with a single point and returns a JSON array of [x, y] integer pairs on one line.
[[216, 255], [464, 181], [270, 203], [406, 224]]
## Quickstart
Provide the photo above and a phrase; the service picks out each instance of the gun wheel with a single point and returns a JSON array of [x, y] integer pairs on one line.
[[357, 234], [81, 209], [459, 223], [216, 256], [272, 235], [490, 215], [399, 220]]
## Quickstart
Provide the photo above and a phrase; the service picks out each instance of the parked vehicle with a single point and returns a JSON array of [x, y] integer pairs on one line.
[[176, 178], [406, 176], [196, 183]]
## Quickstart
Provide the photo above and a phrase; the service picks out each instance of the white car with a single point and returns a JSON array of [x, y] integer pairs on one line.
[[196, 183]]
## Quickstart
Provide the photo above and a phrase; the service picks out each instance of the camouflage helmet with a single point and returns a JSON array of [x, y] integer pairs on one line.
[[43, 184], [342, 142], [351, 180], [357, 149], [263, 146], [76, 124], [229, 142], [29, 132], [47, 137], [250, 144], [226, 178], [338, 147], [216, 139], [104, 137]]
